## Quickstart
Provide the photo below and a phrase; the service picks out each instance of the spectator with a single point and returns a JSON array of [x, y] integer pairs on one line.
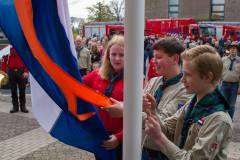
[[231, 76], [18, 74], [83, 55]]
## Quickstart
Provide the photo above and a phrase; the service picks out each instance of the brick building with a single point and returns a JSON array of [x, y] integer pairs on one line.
[[220, 10]]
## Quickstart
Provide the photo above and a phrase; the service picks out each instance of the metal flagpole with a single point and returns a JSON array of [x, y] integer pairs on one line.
[[133, 78]]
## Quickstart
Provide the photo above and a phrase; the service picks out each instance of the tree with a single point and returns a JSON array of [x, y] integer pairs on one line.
[[100, 12], [117, 7], [77, 25]]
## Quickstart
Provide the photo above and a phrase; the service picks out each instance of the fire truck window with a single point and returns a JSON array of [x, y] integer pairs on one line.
[[195, 31], [205, 31], [212, 31], [238, 33], [230, 32]]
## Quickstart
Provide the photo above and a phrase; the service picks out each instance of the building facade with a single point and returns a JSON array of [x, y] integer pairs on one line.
[[207, 10], [3, 40]]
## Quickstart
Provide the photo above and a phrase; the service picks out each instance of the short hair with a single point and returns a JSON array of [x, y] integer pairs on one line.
[[106, 66], [205, 59], [170, 46]]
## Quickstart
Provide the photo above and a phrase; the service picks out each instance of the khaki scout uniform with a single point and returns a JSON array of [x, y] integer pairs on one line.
[[174, 97], [84, 59], [205, 141], [234, 74]]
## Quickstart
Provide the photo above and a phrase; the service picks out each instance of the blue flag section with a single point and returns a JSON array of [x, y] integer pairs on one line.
[[51, 34]]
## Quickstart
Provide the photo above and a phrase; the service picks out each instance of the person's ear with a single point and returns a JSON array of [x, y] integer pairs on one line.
[[209, 77], [176, 58]]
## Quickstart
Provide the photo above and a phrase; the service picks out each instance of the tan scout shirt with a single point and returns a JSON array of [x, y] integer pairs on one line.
[[206, 141], [173, 97], [84, 60], [234, 74]]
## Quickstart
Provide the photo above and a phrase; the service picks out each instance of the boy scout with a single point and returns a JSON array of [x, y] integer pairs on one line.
[[230, 76], [202, 129], [167, 90]]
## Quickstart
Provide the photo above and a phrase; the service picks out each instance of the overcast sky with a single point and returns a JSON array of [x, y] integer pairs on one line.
[[77, 8]]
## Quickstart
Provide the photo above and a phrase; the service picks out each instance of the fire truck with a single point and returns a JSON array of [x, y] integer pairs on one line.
[[157, 27], [161, 27], [231, 32], [112, 29], [202, 30]]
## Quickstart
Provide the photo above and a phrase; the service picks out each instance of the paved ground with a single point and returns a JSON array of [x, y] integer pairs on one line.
[[21, 137]]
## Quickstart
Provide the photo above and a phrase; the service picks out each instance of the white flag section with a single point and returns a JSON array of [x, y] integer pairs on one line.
[[44, 108]]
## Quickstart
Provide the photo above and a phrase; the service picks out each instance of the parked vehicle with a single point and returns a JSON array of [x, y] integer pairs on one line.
[[203, 31], [161, 27], [231, 32]]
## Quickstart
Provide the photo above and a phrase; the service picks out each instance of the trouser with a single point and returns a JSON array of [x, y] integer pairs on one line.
[[149, 154], [118, 153], [230, 91], [17, 80]]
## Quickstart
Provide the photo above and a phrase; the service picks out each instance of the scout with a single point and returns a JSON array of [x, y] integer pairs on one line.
[[202, 129], [231, 76]]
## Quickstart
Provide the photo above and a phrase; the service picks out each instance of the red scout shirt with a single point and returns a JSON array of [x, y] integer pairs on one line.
[[113, 125]]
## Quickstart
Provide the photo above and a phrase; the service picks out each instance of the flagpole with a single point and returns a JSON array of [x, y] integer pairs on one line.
[[133, 78]]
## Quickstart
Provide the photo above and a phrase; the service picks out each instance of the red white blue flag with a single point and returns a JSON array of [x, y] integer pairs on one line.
[[41, 33]]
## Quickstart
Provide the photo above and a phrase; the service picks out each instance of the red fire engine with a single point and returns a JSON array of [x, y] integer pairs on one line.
[[161, 27], [202, 30], [231, 32]]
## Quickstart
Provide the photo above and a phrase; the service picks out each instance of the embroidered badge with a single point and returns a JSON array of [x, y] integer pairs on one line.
[[213, 147], [201, 121]]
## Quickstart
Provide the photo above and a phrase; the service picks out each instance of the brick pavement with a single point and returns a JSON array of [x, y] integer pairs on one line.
[[29, 142]]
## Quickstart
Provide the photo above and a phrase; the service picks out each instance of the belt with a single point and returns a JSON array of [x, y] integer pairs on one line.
[[231, 82], [153, 154], [150, 151]]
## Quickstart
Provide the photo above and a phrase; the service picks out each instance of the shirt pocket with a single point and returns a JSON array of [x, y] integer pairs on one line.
[[192, 136]]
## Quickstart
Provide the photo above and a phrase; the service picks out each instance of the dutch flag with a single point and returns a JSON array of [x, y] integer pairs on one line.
[[41, 33]]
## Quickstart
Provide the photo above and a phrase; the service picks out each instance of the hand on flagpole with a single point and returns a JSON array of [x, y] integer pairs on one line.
[[149, 104], [111, 143], [154, 130]]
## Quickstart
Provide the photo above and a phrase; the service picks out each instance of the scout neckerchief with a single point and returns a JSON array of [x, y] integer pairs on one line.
[[232, 62], [211, 103], [159, 92], [78, 52], [112, 78]]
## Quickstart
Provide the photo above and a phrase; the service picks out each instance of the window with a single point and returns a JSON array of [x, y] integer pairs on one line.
[[173, 8], [217, 9], [173, 15], [218, 1], [173, 2]]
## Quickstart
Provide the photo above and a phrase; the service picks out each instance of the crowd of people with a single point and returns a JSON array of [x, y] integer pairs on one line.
[[190, 91]]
